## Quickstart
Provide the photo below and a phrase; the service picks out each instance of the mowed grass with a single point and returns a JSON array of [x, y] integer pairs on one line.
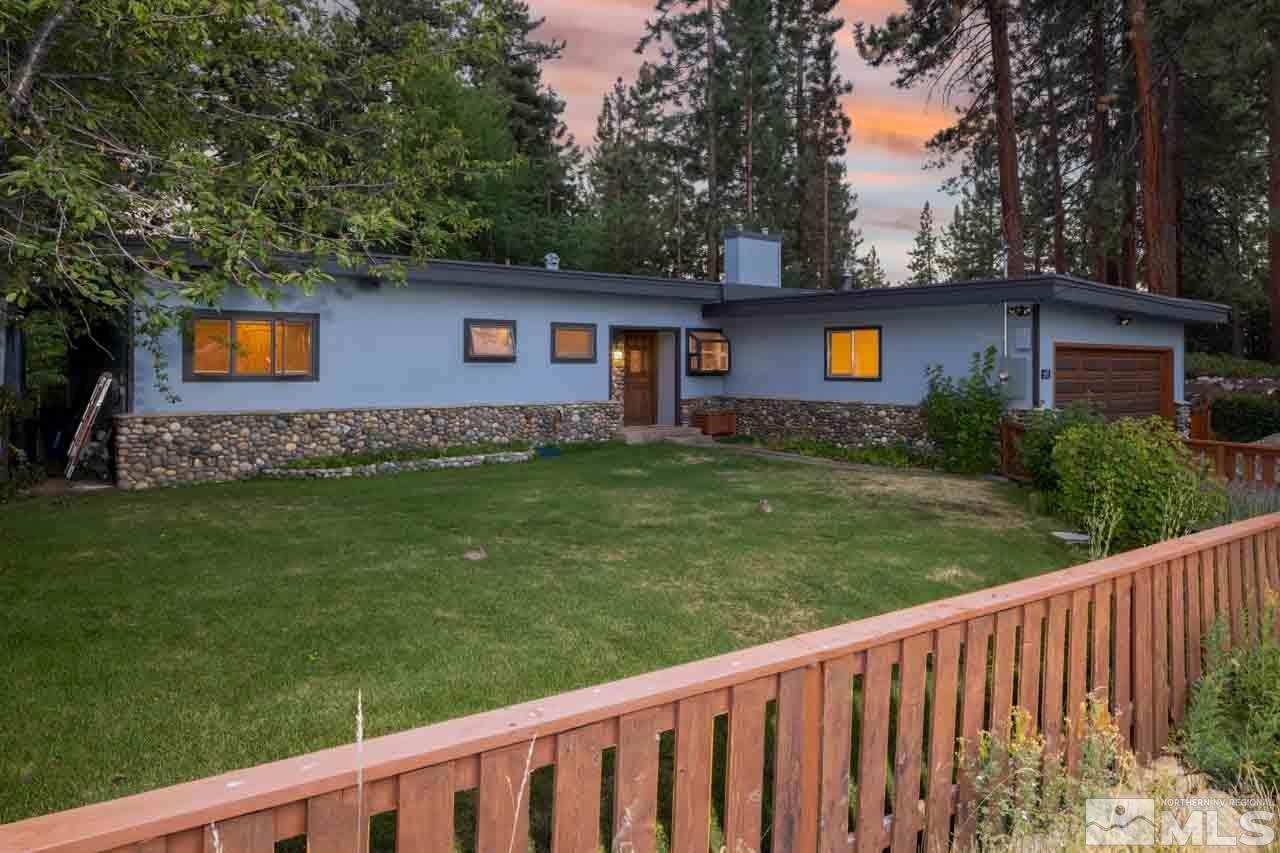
[[152, 638]]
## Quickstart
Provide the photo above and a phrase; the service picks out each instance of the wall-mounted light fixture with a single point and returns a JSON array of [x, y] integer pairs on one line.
[[1019, 310], [1124, 320], [618, 355]]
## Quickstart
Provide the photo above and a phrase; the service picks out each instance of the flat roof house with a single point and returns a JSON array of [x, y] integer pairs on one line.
[[472, 352]]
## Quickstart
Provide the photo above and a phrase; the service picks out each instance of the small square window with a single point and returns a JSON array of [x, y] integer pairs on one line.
[[489, 340], [854, 353], [572, 342], [709, 352]]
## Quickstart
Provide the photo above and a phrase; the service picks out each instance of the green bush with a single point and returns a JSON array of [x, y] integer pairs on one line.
[[962, 417], [1232, 732], [1138, 470], [1244, 417], [1228, 366], [1036, 449]]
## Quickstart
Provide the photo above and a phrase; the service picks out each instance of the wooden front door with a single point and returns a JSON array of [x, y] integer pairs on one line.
[[640, 390]]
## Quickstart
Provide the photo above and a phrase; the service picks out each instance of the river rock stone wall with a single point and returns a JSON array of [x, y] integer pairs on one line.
[[845, 424], [171, 449]]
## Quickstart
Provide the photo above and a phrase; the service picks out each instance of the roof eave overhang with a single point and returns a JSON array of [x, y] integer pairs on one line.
[[1049, 289]]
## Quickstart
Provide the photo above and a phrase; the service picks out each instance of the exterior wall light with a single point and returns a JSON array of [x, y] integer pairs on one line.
[[1124, 320], [618, 356]]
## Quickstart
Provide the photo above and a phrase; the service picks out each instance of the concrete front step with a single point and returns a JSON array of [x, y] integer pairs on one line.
[[646, 434]]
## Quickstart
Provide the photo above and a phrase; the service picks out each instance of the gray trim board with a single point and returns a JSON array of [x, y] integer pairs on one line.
[[1039, 289]]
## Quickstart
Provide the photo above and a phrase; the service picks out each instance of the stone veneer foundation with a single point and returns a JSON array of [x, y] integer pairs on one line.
[[171, 449], [845, 424]]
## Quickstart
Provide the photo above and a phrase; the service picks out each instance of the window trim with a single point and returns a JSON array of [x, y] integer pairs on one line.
[[692, 347], [470, 357], [189, 373], [826, 353], [575, 327]]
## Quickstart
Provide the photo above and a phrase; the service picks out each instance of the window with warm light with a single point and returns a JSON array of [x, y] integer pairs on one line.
[[853, 353], [489, 340], [709, 352], [237, 345], [573, 342]]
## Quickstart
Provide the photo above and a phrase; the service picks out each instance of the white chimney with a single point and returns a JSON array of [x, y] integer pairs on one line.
[[752, 258]]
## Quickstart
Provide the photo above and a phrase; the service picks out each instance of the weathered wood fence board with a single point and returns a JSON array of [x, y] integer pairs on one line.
[[816, 708]]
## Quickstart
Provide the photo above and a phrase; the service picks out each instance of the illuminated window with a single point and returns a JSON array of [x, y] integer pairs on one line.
[[709, 352], [573, 342], [238, 345], [211, 348], [293, 347], [489, 340], [853, 353]]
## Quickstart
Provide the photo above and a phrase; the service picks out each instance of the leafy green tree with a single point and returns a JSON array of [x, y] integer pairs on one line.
[[194, 142]]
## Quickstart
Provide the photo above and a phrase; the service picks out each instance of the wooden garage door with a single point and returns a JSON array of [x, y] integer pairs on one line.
[[1118, 381]]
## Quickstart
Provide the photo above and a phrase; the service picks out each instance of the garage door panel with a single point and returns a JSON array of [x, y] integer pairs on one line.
[[1117, 382]]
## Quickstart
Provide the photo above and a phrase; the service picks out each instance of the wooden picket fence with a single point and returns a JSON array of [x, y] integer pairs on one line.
[[859, 723]]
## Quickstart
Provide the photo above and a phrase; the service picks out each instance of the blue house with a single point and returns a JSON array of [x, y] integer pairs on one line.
[[471, 352]]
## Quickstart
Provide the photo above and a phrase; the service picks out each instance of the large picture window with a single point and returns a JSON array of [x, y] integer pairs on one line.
[[709, 352], [573, 342], [489, 340], [853, 353], [237, 345]]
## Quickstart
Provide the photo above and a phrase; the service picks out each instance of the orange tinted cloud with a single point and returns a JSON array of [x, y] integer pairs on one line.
[[900, 126]]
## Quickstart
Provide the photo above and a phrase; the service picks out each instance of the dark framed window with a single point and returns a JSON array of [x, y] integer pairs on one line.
[[854, 354], [250, 346], [489, 340], [573, 343], [709, 352]]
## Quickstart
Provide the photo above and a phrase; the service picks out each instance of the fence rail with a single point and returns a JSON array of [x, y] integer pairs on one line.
[[819, 705]]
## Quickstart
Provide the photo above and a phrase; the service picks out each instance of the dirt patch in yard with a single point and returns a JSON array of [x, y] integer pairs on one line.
[[971, 501]]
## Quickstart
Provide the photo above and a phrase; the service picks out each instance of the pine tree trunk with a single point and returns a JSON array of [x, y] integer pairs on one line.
[[1273, 233], [1129, 255], [1155, 250], [1098, 141], [750, 155], [1055, 160], [713, 201], [1010, 197], [1171, 192], [825, 266]]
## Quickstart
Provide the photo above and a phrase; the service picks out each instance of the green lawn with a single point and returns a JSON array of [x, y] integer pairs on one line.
[[150, 638]]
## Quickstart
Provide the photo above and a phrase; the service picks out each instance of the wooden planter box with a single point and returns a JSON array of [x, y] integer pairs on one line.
[[716, 423]]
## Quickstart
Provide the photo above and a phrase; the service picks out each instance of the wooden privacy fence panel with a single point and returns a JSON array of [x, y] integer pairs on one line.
[[843, 739]]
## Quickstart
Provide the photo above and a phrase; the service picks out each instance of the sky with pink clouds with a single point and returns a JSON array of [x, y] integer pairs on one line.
[[890, 126]]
